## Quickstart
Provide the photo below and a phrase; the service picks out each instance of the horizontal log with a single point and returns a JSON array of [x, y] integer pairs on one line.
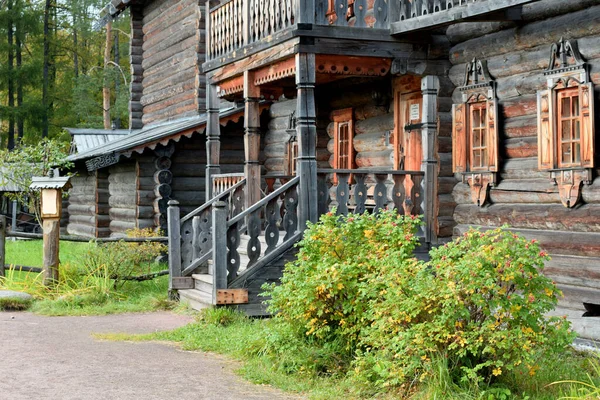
[[528, 36], [369, 111], [379, 124], [274, 164], [446, 205], [123, 214], [376, 141], [514, 192], [282, 108], [275, 150], [585, 218], [520, 147], [276, 137], [368, 159], [146, 223], [446, 184], [554, 242], [279, 123], [445, 227], [521, 127], [445, 124], [123, 201], [530, 12], [522, 168], [182, 183], [121, 226], [84, 209], [444, 145], [573, 270], [145, 212], [83, 219], [81, 230], [445, 160]]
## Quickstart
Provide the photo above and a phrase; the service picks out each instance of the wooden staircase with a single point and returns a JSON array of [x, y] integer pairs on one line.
[[201, 295]]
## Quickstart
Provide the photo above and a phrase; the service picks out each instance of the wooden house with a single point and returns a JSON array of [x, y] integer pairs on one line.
[[470, 113]]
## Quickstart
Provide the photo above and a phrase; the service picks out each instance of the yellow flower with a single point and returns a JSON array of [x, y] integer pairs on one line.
[[497, 371]]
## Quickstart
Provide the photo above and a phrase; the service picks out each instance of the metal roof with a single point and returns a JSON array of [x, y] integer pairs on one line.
[[7, 185], [151, 136], [88, 139]]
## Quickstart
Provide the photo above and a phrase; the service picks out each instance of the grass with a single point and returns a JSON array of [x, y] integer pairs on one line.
[[271, 355], [80, 292], [14, 304]]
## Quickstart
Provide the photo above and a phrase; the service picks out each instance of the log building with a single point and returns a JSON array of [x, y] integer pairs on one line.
[[470, 113]]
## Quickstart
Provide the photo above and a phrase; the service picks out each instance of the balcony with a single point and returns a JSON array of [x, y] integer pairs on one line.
[[238, 26]]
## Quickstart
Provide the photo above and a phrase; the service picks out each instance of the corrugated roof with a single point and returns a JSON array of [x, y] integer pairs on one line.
[[88, 139], [6, 185]]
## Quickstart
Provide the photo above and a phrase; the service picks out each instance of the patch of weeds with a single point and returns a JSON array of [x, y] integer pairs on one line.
[[14, 304]]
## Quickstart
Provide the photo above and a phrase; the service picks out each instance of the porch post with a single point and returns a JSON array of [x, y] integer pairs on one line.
[[430, 86], [251, 139], [213, 133], [306, 128]]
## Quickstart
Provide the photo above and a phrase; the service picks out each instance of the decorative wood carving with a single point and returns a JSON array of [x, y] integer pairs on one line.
[[102, 161], [357, 66], [274, 72], [231, 86], [566, 139], [163, 178], [475, 131]]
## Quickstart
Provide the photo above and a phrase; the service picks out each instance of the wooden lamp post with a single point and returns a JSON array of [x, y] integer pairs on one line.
[[51, 209]]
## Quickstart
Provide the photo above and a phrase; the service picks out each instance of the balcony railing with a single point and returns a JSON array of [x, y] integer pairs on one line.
[[238, 23]]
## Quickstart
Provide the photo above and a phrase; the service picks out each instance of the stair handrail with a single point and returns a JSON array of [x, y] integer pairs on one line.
[[209, 203], [256, 206]]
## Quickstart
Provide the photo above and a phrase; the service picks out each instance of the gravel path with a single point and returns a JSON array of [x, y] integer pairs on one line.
[[57, 358]]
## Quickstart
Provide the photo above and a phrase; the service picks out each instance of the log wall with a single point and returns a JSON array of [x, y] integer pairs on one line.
[[122, 201], [173, 51], [82, 205], [525, 198]]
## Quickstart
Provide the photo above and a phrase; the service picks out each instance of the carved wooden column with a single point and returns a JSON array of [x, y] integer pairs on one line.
[[163, 178], [430, 86], [306, 128], [213, 134], [251, 139]]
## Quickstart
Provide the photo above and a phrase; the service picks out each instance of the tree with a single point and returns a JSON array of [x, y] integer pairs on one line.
[[19, 165]]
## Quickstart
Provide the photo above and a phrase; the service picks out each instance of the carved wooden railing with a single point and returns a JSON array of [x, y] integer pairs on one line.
[[237, 23], [264, 214], [411, 15], [224, 182], [359, 190], [190, 239]]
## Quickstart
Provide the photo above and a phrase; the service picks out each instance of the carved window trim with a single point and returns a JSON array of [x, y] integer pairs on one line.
[[567, 75], [343, 140], [479, 97]]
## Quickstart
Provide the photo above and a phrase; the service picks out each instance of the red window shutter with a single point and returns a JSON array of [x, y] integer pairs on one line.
[[546, 149], [586, 112], [459, 138], [492, 135]]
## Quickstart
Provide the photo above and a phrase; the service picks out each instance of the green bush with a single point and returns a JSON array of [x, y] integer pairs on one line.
[[116, 260], [339, 271], [480, 302]]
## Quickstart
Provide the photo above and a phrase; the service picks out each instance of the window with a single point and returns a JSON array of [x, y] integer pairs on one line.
[[343, 148], [406, 139], [475, 133], [566, 122]]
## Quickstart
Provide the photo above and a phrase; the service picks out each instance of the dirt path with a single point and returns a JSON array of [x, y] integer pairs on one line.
[[57, 358]]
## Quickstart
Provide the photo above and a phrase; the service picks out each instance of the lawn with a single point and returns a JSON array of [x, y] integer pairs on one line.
[[85, 286]]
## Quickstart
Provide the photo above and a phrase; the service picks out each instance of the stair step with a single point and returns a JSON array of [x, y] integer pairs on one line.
[[195, 299], [203, 283]]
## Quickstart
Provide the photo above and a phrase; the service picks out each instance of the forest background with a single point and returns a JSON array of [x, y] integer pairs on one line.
[[57, 69]]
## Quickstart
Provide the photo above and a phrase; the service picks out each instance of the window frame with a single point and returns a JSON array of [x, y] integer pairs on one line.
[[341, 118]]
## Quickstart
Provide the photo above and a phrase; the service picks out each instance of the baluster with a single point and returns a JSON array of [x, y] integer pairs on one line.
[[291, 5], [342, 193], [233, 256], [254, 228], [380, 10], [258, 4], [399, 193], [415, 194], [220, 29], [360, 193], [437, 6], [322, 194], [380, 192], [237, 201], [230, 29], [186, 242], [320, 12], [234, 23], [272, 230], [360, 11], [205, 238], [195, 237], [290, 217], [426, 7], [404, 10], [278, 22], [449, 4], [340, 12], [272, 12], [415, 8]]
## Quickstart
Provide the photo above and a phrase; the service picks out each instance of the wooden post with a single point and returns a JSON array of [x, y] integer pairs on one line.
[[430, 86], [174, 245], [51, 240], [15, 205], [2, 244], [219, 249], [251, 139], [213, 134], [306, 128]]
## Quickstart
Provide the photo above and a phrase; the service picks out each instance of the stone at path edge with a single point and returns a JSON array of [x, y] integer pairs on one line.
[[10, 294]]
